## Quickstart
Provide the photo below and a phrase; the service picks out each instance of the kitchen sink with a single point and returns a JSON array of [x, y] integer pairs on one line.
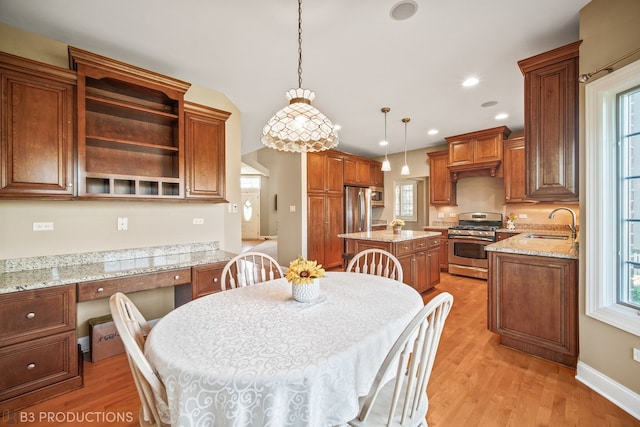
[[547, 236]]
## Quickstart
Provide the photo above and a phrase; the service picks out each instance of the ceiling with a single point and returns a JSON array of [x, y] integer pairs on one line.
[[356, 57]]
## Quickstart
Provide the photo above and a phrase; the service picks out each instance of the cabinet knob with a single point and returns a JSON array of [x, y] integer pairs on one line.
[[176, 277], [31, 315], [188, 189], [70, 184], [31, 366], [215, 280], [100, 290]]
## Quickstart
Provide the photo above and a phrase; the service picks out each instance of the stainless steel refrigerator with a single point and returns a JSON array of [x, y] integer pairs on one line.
[[357, 209]]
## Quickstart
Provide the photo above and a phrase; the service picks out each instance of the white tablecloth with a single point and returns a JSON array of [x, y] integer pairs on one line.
[[253, 356]]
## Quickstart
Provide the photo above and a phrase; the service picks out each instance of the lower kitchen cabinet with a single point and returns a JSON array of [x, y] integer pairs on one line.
[[444, 246], [419, 258], [533, 304], [39, 357]]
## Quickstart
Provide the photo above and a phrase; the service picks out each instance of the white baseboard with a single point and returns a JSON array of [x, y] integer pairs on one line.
[[618, 394]]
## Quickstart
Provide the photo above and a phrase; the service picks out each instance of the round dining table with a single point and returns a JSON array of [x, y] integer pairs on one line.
[[253, 356]]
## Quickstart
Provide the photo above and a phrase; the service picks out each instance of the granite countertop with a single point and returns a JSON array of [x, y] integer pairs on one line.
[[389, 236], [41, 272], [549, 247]]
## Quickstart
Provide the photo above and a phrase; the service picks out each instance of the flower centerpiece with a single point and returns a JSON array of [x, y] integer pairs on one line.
[[397, 225], [511, 219], [303, 276]]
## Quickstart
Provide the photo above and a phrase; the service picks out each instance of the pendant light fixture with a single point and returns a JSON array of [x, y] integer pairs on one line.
[[299, 127], [386, 165], [405, 168]]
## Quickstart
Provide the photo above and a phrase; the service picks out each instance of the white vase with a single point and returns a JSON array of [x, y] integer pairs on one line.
[[307, 292], [510, 225]]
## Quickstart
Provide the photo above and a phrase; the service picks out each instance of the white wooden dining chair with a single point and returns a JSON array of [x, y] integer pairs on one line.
[[250, 268], [378, 262], [403, 401], [133, 330]]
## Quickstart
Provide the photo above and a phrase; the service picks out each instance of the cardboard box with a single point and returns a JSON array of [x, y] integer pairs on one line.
[[105, 340]]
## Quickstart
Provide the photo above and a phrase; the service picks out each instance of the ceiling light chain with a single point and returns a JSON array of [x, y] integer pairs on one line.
[[299, 127], [405, 168], [386, 165]]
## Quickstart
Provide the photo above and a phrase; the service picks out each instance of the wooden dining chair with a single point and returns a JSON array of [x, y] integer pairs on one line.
[[403, 402], [133, 330], [378, 262], [250, 268]]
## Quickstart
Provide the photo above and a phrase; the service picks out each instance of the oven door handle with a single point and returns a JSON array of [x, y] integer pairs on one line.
[[484, 239]]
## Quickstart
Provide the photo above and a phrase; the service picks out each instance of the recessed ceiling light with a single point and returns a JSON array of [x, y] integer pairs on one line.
[[384, 143], [404, 9], [433, 131], [501, 116], [336, 126], [471, 81], [489, 104]]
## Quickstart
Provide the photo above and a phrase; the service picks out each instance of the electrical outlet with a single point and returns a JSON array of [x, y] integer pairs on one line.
[[292, 208], [452, 215], [636, 354], [123, 223], [198, 221], [523, 216], [42, 226], [440, 214]]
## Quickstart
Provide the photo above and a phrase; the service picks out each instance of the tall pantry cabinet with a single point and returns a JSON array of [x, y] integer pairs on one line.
[[325, 208]]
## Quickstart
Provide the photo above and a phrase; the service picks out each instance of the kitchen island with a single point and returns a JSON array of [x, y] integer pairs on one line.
[[417, 251], [533, 294]]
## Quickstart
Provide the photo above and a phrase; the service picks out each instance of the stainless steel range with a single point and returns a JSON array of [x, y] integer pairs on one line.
[[467, 241]]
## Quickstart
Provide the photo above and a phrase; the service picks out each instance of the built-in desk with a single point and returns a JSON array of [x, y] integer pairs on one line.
[[39, 298]]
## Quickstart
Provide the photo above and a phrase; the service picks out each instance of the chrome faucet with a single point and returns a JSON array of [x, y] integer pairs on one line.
[[572, 227]]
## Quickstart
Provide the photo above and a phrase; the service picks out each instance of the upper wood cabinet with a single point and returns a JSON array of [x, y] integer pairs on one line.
[[477, 153], [442, 191], [551, 125], [130, 130], [377, 175], [325, 172], [357, 171], [514, 165], [204, 152], [37, 129]]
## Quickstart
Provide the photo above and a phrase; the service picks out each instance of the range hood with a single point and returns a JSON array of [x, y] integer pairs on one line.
[[488, 168], [477, 153]]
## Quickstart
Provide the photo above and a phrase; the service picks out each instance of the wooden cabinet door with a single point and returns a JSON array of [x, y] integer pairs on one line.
[[206, 279], [460, 152], [408, 269], [514, 171], [36, 145], [357, 171], [204, 152], [334, 174], [551, 124], [487, 148], [421, 271], [316, 227], [316, 172], [334, 245], [434, 265], [533, 304], [442, 191], [377, 175]]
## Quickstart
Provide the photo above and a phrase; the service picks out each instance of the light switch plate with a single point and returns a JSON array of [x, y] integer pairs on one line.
[[636, 354]]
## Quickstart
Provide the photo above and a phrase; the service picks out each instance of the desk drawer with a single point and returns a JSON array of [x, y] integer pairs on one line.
[[420, 244], [206, 280], [88, 291], [37, 313], [38, 363]]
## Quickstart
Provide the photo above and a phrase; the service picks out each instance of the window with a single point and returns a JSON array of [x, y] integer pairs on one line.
[[612, 252], [406, 203], [249, 182], [629, 197]]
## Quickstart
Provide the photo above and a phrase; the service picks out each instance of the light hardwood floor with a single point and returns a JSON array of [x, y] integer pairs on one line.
[[475, 382]]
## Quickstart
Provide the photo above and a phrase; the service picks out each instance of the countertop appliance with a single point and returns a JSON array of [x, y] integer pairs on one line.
[[357, 209], [467, 241]]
